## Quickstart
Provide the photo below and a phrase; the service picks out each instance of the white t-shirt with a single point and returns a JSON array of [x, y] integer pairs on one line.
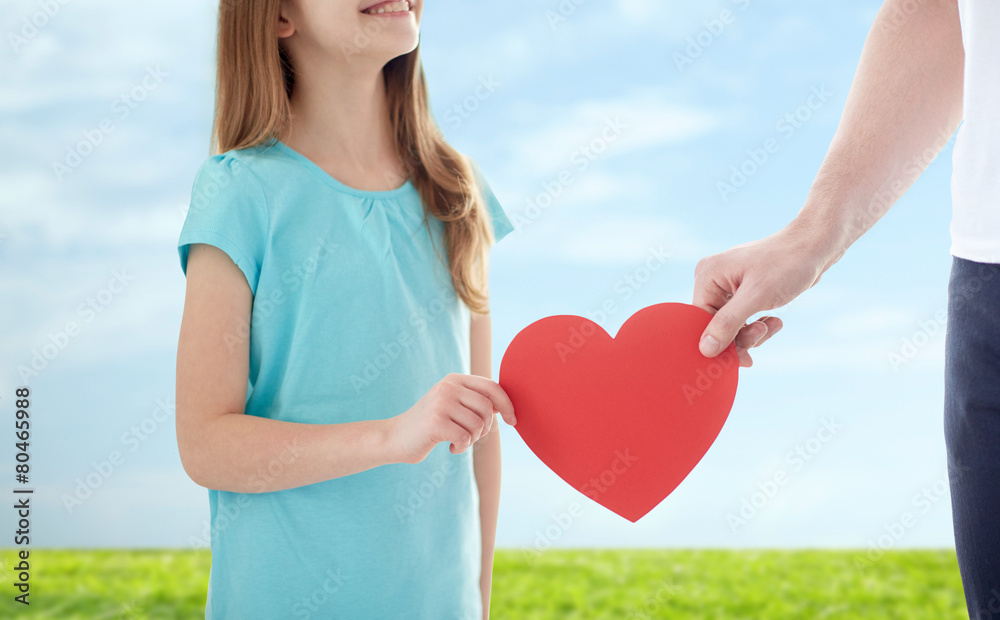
[[975, 183]]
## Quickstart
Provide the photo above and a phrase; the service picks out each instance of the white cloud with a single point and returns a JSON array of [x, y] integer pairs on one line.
[[629, 240], [884, 320], [601, 129], [675, 20], [63, 228]]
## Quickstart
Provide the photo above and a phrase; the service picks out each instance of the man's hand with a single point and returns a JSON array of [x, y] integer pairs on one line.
[[906, 96], [751, 278]]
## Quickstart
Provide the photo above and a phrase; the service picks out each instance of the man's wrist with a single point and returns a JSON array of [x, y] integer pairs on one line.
[[823, 237]]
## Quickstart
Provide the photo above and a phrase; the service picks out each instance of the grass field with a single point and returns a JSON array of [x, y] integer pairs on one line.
[[614, 585]]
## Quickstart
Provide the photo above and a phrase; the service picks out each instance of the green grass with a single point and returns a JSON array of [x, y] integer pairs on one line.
[[618, 585]]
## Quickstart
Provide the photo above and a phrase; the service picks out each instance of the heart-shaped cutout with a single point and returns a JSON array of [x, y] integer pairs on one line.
[[623, 420]]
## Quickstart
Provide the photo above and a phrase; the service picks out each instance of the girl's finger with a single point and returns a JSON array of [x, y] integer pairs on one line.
[[489, 389], [481, 406], [469, 420], [459, 438]]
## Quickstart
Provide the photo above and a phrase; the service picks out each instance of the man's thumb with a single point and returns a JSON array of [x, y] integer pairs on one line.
[[726, 323]]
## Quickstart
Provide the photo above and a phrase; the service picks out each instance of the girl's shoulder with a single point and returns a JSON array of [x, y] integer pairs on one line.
[[501, 223], [251, 176], [230, 209], [246, 165]]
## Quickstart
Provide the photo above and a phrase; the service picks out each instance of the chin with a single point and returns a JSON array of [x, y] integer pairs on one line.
[[409, 45], [394, 47], [392, 26]]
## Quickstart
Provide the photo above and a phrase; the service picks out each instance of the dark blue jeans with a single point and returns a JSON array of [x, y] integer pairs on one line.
[[972, 429]]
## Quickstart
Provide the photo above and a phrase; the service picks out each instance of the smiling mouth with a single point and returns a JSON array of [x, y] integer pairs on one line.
[[388, 8]]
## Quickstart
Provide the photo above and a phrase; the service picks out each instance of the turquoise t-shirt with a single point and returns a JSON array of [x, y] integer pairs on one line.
[[354, 318]]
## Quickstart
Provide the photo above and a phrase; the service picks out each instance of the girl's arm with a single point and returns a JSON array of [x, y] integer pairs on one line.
[[486, 459], [221, 448]]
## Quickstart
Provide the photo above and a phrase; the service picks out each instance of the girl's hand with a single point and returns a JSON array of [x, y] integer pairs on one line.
[[459, 410]]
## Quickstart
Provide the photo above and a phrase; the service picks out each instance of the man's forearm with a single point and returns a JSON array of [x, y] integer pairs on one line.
[[903, 107]]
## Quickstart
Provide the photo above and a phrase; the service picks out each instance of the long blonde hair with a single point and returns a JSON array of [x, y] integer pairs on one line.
[[254, 82]]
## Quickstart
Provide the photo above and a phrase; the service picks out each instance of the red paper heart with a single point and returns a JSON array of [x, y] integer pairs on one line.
[[623, 420]]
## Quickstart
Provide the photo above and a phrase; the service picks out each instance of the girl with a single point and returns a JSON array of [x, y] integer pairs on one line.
[[335, 346]]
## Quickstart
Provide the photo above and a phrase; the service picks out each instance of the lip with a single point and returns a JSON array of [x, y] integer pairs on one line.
[[375, 5]]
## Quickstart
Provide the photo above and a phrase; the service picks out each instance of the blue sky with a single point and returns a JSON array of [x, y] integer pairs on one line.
[[694, 92]]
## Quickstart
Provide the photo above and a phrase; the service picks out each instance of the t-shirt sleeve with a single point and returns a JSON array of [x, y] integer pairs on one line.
[[229, 211], [501, 223]]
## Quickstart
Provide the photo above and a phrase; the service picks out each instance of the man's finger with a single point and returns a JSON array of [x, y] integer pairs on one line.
[[727, 322], [709, 296], [773, 325], [749, 336]]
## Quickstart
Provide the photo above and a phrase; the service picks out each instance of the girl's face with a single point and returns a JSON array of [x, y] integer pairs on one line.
[[378, 30]]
